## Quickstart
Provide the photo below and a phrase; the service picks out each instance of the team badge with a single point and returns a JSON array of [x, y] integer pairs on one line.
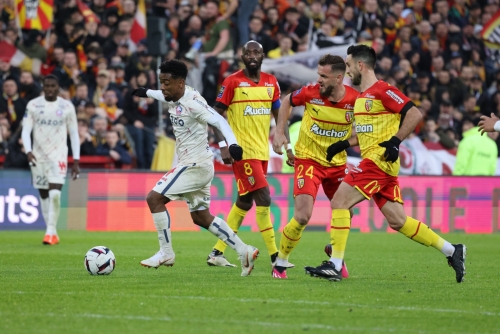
[[178, 110], [368, 105], [349, 115], [300, 183], [221, 92], [270, 92], [251, 180], [59, 112]]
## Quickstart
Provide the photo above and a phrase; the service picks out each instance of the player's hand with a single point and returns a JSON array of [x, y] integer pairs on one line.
[[236, 152], [31, 159], [75, 170], [226, 157], [141, 92], [336, 148], [391, 149], [279, 141], [290, 158], [114, 155], [487, 123]]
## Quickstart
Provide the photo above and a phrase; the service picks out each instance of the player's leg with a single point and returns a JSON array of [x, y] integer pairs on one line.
[[292, 232], [161, 218], [262, 198], [423, 234], [44, 203]]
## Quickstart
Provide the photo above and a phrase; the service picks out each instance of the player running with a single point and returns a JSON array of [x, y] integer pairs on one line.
[[50, 118], [249, 96], [191, 179], [378, 111], [326, 124]]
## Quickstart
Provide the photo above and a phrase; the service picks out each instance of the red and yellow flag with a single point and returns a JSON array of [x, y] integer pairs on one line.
[[491, 32], [87, 13], [35, 14]]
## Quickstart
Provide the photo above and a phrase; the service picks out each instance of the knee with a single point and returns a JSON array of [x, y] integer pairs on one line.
[[244, 203], [338, 203], [302, 217], [154, 199], [262, 198], [395, 222]]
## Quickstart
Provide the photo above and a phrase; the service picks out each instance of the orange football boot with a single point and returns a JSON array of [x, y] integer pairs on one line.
[[50, 239]]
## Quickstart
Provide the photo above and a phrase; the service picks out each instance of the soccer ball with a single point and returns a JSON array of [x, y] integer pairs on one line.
[[99, 260]]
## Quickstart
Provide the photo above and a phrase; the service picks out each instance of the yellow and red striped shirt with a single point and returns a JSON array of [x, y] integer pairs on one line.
[[377, 113], [249, 111], [324, 123]]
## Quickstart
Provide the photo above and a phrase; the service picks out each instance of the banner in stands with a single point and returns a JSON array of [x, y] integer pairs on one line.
[[115, 201]]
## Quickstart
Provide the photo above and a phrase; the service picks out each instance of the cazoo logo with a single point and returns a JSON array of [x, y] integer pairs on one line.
[[176, 120]]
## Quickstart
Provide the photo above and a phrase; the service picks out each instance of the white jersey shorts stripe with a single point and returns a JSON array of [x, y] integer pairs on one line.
[[174, 179]]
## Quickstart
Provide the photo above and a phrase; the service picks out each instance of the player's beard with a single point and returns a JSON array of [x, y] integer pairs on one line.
[[327, 91], [356, 79], [253, 68]]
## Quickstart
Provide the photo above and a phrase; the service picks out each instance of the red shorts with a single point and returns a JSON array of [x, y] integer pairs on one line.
[[250, 175], [371, 181], [309, 175]]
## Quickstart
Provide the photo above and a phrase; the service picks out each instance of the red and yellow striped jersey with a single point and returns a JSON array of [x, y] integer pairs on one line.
[[249, 106], [324, 123], [377, 112]]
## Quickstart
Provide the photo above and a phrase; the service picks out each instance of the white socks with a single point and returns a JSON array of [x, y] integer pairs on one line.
[[448, 249], [162, 223], [337, 263], [44, 203], [54, 206], [222, 231]]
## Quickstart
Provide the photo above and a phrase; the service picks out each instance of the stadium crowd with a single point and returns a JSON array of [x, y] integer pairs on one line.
[[430, 50]]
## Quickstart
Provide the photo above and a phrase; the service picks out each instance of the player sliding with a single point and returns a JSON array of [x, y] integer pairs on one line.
[[327, 121], [249, 96], [191, 179], [50, 118], [378, 112]]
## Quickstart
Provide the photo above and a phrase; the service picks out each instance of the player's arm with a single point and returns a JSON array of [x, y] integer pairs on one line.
[[75, 142], [144, 92], [289, 152], [489, 124], [281, 136], [397, 102], [26, 136], [224, 98]]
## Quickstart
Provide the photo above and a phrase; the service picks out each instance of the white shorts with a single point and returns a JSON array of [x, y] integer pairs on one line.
[[48, 172], [190, 183]]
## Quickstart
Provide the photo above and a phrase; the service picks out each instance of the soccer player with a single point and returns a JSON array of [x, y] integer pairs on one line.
[[384, 117], [249, 96], [326, 124], [50, 118], [489, 124], [191, 179]]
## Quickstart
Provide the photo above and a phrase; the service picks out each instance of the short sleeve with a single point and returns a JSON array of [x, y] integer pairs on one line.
[[394, 100], [298, 97], [200, 109], [226, 92], [277, 90]]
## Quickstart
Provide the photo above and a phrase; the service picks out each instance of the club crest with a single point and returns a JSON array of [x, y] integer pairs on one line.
[[349, 116], [368, 105], [300, 183], [178, 110], [251, 180], [270, 92]]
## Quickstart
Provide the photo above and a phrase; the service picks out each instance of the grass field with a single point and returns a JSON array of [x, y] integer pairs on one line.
[[396, 286]]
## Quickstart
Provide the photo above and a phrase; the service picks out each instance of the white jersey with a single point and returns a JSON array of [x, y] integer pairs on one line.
[[51, 122], [189, 116]]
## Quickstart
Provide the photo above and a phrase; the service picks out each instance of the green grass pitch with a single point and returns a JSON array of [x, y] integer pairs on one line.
[[396, 286]]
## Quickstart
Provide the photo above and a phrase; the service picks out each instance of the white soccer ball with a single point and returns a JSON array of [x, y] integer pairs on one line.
[[99, 260]]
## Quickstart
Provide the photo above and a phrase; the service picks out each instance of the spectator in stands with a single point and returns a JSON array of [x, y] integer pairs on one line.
[[285, 49], [12, 106], [16, 156], [90, 114], [435, 134], [4, 137], [69, 73], [103, 81], [294, 28], [141, 115], [86, 145], [476, 154], [218, 41], [109, 106], [81, 97], [100, 129], [257, 34], [31, 46], [113, 149], [28, 87], [7, 71]]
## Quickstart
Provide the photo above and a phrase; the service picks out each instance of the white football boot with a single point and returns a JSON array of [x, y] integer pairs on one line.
[[218, 260], [248, 260], [159, 259]]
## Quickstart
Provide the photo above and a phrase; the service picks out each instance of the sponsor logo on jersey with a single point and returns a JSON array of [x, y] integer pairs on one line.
[[297, 92], [244, 84], [368, 105], [370, 96], [360, 128], [270, 92], [394, 96], [267, 84], [176, 120], [317, 101], [54, 122], [316, 111], [348, 106], [59, 112], [62, 165], [249, 111], [349, 116], [327, 133], [178, 110], [300, 183], [221, 92], [251, 180]]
